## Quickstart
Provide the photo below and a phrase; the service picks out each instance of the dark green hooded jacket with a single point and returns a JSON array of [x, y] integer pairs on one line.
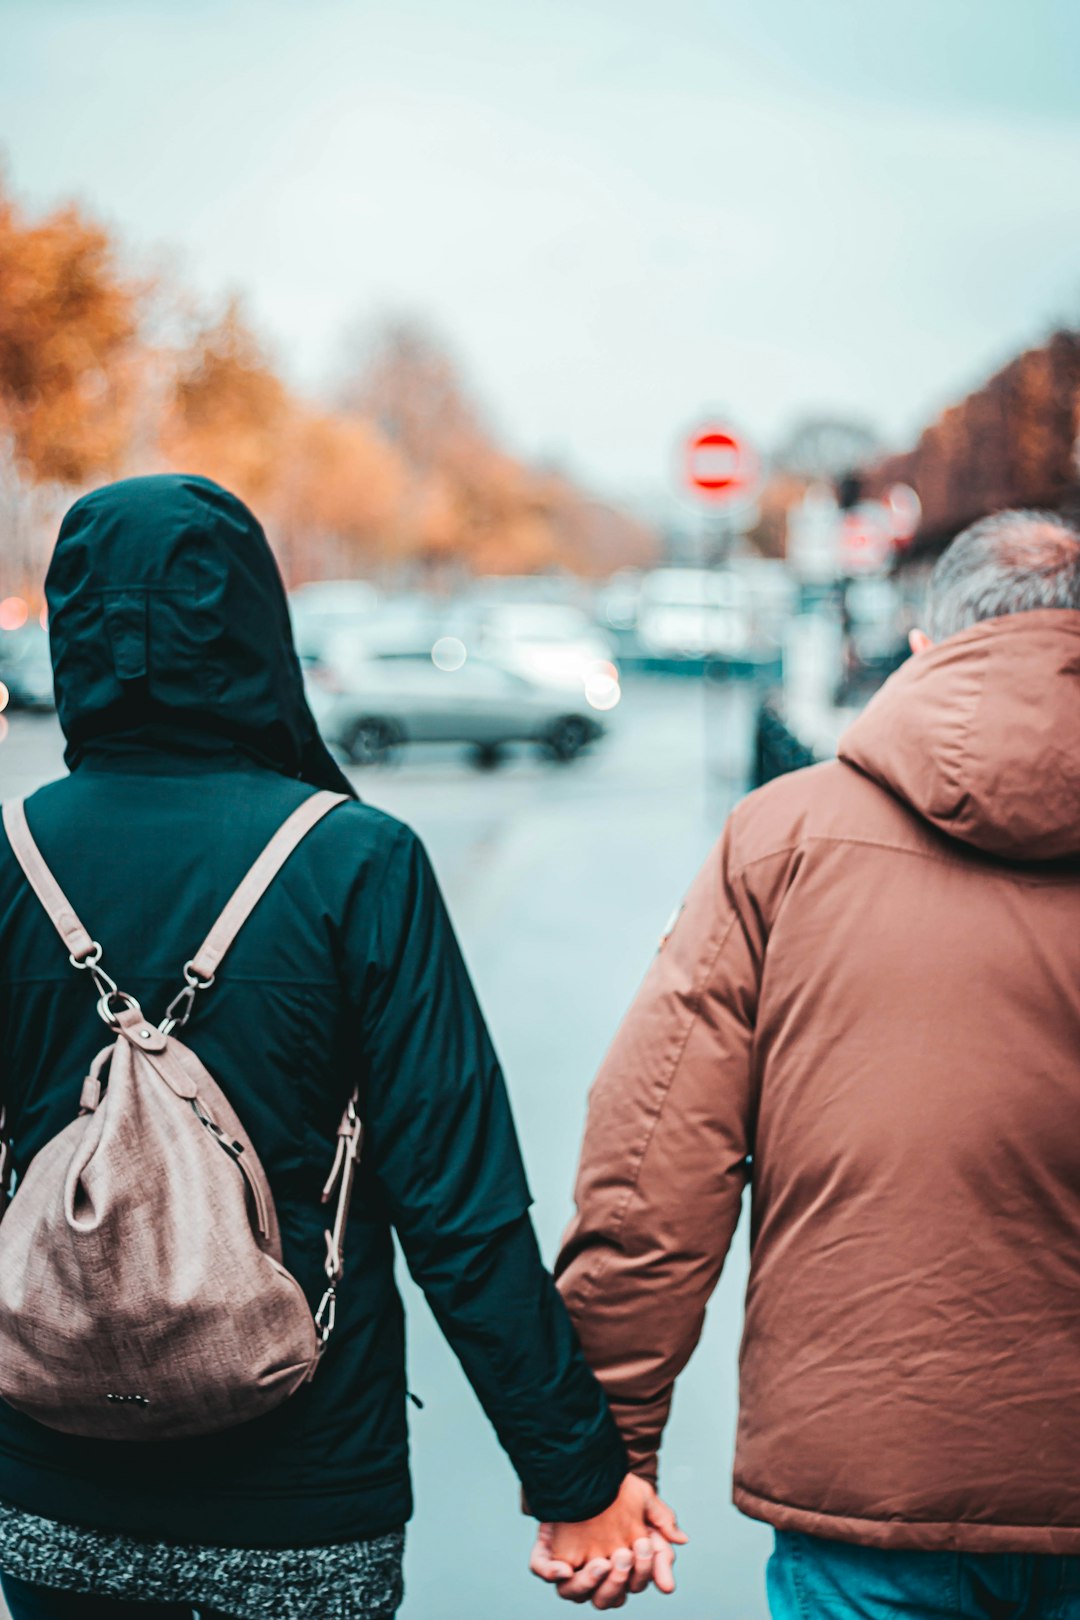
[[189, 742]]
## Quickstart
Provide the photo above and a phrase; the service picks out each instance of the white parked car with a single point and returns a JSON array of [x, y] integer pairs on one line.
[[693, 613], [555, 644], [368, 703]]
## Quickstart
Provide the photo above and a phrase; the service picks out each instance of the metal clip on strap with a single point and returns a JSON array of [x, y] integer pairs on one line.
[[111, 1001], [179, 1009], [350, 1138], [105, 985], [5, 1160]]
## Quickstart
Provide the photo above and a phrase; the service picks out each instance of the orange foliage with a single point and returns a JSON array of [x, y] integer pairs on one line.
[[403, 470], [469, 499], [226, 409], [338, 481], [69, 350]]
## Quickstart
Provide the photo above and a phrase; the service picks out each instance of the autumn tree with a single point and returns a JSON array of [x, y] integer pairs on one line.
[[226, 409], [406, 380], [468, 498], [70, 354], [336, 505], [103, 375]]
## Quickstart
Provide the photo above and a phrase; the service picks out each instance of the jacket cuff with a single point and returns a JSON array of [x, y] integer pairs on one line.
[[643, 1462], [598, 1481]]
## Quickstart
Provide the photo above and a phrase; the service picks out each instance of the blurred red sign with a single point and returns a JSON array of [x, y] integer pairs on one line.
[[866, 538], [905, 509], [719, 464]]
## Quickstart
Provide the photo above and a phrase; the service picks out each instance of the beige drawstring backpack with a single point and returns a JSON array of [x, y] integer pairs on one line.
[[142, 1290]]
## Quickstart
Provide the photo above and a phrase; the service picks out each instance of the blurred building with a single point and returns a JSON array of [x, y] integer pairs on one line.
[[1014, 442]]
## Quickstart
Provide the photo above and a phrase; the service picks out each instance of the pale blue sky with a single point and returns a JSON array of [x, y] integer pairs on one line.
[[620, 213]]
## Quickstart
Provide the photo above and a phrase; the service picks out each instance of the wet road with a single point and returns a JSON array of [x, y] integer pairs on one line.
[[560, 881]]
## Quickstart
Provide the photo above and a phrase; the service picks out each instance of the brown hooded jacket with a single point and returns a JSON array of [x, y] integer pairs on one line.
[[869, 1011]]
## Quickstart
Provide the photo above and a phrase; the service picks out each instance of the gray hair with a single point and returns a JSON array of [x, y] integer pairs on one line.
[[1012, 562]]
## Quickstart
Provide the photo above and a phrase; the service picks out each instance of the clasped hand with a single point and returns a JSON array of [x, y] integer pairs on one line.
[[622, 1550]]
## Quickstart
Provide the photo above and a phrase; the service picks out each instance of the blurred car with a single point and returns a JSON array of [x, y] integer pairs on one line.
[[26, 676], [321, 611], [555, 644], [693, 613], [520, 590], [370, 702]]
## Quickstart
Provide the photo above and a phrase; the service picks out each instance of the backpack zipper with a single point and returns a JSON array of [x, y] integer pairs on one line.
[[235, 1150]]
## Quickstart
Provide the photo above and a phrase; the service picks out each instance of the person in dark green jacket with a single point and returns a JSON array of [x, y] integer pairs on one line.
[[189, 742]]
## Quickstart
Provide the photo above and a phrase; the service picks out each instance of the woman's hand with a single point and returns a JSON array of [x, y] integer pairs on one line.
[[619, 1551]]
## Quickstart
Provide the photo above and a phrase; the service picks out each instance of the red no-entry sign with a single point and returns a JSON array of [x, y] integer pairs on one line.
[[719, 464]]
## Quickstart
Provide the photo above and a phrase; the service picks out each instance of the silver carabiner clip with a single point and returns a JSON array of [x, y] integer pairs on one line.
[[105, 1006], [92, 964], [179, 1009], [326, 1316]]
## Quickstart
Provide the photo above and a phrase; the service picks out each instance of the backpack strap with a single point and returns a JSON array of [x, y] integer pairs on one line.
[[207, 958], [200, 970], [81, 947], [85, 952]]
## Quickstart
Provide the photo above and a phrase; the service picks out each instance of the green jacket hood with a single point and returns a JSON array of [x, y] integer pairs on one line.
[[168, 622]]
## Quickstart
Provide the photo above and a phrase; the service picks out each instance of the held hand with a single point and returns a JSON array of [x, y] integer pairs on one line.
[[617, 1552]]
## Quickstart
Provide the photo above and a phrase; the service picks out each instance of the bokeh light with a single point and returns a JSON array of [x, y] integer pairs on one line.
[[602, 690], [14, 613], [449, 653]]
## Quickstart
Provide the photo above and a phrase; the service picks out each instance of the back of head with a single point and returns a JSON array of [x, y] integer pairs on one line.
[[980, 733], [168, 624], [1011, 562]]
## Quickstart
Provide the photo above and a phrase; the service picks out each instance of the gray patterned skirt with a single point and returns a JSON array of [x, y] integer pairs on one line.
[[356, 1580]]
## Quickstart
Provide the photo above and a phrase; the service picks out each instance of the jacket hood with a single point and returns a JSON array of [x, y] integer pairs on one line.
[[981, 735], [168, 624]]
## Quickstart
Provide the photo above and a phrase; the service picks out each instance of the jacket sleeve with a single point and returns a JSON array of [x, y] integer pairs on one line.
[[442, 1144], [665, 1158]]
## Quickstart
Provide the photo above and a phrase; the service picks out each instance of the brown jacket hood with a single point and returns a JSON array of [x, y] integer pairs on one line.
[[981, 736]]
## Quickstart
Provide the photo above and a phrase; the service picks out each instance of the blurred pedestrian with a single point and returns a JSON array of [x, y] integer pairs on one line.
[[189, 743], [869, 1013]]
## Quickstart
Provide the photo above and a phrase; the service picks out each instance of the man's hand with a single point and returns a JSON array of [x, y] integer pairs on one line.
[[619, 1551]]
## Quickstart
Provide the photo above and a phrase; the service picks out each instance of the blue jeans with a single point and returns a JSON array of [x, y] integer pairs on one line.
[[811, 1579], [28, 1602]]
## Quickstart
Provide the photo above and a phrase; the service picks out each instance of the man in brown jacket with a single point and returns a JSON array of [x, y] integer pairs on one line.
[[868, 1013]]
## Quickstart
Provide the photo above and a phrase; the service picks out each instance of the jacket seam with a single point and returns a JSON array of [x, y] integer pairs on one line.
[[1002, 868], [402, 835], [798, 1581], [999, 865], [254, 978], [880, 843], [871, 1518], [592, 1279], [356, 1484], [964, 745], [835, 838]]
